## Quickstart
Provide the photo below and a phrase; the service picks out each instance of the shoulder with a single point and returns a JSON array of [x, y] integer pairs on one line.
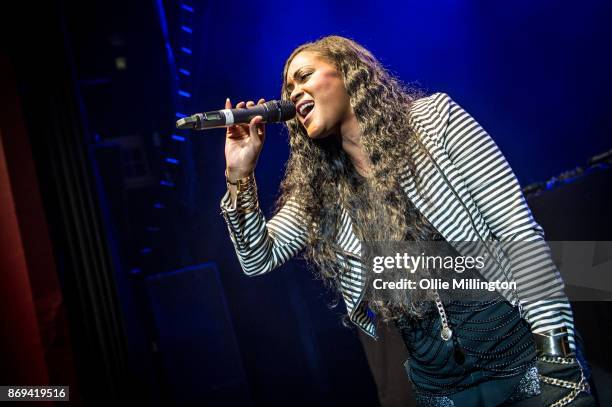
[[432, 107], [431, 114]]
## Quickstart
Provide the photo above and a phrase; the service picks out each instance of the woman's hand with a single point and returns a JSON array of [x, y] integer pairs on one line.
[[243, 143]]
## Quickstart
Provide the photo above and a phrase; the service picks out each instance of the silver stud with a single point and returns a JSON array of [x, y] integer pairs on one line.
[[446, 333]]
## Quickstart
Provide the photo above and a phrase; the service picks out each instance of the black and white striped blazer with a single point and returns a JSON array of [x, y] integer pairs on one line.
[[466, 172]]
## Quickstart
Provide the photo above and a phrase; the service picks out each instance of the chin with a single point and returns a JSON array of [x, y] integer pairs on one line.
[[313, 134], [316, 132], [317, 135]]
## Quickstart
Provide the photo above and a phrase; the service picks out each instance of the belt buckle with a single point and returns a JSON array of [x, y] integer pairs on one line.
[[552, 343]]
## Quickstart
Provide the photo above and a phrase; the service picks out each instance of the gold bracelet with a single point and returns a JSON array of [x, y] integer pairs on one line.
[[240, 181], [245, 185]]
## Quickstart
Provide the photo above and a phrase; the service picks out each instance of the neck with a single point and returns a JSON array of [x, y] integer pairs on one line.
[[350, 136]]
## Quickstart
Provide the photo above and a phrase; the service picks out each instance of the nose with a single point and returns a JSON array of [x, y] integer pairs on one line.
[[295, 94]]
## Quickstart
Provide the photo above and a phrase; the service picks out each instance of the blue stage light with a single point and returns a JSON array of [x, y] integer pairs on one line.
[[187, 8]]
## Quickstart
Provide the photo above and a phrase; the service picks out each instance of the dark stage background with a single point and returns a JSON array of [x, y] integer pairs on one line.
[[139, 289]]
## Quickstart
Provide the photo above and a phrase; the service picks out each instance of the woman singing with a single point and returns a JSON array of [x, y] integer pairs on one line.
[[371, 161]]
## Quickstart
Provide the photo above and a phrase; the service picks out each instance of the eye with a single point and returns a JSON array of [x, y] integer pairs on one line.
[[300, 76], [304, 76]]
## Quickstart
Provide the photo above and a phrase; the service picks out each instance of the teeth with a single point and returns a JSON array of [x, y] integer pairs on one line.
[[304, 107]]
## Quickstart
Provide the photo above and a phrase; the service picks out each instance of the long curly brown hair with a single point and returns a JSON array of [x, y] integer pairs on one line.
[[322, 179]]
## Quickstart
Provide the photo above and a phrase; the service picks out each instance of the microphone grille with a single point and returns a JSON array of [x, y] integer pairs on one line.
[[285, 109]]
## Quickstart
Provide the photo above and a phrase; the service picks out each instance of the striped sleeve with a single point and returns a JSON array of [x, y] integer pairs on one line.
[[497, 193], [262, 245]]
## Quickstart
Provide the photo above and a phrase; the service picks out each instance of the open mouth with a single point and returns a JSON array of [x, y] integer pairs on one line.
[[305, 108]]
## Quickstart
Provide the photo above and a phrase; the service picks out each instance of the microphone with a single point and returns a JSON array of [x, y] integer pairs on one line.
[[272, 111]]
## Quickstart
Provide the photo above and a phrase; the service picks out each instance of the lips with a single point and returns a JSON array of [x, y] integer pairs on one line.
[[304, 107]]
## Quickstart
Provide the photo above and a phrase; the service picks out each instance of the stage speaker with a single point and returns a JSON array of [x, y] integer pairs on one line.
[[196, 343]]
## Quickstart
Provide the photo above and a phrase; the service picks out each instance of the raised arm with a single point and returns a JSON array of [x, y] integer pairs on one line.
[[262, 245]]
